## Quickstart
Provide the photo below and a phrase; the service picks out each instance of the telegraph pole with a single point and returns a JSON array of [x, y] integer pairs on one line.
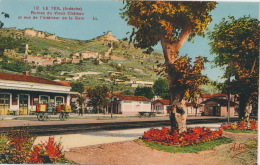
[[228, 99], [112, 94]]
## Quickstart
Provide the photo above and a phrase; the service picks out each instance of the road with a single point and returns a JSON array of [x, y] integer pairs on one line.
[[73, 126], [69, 141]]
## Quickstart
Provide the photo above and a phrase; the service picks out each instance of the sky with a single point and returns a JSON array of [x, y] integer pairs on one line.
[[103, 16]]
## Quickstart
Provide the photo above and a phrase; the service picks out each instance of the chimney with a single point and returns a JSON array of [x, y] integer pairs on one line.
[[27, 73]]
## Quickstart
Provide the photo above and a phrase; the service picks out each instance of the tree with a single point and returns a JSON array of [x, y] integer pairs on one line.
[[171, 23], [98, 97], [10, 43], [145, 91], [161, 88], [15, 66], [236, 43], [128, 92], [79, 87]]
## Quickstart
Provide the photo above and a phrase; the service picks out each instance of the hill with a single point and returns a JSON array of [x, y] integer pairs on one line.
[[94, 62]]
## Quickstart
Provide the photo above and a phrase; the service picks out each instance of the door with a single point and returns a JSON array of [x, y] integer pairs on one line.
[[216, 111], [4, 103], [23, 104]]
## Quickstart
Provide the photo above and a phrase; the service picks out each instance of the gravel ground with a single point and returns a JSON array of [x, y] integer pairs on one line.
[[135, 153]]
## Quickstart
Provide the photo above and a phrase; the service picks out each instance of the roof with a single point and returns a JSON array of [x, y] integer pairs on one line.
[[163, 101], [208, 95], [190, 104], [132, 98], [222, 102], [66, 83], [26, 78]]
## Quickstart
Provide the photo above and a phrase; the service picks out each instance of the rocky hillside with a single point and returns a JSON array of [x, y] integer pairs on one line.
[[93, 62]]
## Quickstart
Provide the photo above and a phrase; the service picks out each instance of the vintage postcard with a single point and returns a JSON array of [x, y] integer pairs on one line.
[[129, 82]]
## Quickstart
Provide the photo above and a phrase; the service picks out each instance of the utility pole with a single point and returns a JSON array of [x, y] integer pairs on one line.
[[112, 94], [228, 100]]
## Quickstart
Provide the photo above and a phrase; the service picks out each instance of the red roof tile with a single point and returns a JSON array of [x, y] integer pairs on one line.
[[189, 104], [66, 83], [222, 102], [24, 78], [132, 98], [208, 95], [164, 101], [219, 95]]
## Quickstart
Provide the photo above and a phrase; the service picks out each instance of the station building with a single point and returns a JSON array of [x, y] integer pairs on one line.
[[20, 94]]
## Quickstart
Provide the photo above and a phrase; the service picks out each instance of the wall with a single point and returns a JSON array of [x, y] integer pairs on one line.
[[225, 113], [163, 108], [30, 32], [86, 55], [41, 61], [134, 107], [33, 99]]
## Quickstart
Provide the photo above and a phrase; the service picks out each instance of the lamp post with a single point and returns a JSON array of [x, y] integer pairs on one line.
[[112, 94], [197, 104]]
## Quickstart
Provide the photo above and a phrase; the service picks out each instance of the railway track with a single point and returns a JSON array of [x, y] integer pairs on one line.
[[90, 127]]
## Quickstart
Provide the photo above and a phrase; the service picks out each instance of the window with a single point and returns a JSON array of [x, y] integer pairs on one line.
[[59, 100], [157, 107], [44, 99], [4, 101], [23, 101]]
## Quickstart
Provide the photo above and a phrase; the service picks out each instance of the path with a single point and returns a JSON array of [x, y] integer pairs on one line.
[[135, 153]]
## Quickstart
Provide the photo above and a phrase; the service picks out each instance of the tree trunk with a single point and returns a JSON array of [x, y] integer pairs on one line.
[[82, 104], [244, 107], [178, 117], [178, 112]]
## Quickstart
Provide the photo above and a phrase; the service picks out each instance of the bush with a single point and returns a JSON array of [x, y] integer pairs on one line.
[[15, 66], [47, 152], [195, 135], [15, 146], [241, 125]]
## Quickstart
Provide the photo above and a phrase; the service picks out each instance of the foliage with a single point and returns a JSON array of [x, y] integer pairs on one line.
[[17, 146], [241, 125], [188, 77], [236, 43], [161, 88], [4, 146], [241, 131], [191, 148], [192, 136], [144, 91], [128, 92], [46, 76], [47, 152], [11, 43], [169, 19], [77, 87], [171, 23], [98, 96], [15, 66]]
